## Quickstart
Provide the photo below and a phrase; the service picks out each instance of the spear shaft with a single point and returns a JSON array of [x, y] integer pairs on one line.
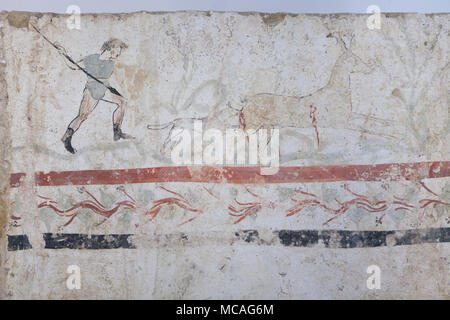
[[65, 55]]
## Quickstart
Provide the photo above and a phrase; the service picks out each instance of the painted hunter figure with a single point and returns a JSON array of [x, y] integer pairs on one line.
[[98, 68]]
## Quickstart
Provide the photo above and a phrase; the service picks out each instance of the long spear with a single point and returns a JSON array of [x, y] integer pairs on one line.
[[65, 55]]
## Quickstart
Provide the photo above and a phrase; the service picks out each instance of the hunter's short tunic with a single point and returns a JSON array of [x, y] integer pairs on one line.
[[102, 70]]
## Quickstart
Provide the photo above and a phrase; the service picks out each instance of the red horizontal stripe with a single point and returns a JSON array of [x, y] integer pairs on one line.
[[242, 175]]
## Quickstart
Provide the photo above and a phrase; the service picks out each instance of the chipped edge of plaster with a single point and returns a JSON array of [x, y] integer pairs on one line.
[[20, 19], [5, 168]]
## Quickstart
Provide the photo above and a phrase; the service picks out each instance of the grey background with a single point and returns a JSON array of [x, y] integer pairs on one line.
[[295, 6]]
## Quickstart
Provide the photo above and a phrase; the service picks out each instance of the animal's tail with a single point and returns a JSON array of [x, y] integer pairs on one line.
[[172, 123], [160, 126]]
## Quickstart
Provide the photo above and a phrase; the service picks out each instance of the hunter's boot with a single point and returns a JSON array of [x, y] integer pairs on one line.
[[67, 140], [118, 134]]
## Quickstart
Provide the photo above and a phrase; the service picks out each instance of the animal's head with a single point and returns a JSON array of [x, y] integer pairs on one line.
[[354, 64], [348, 60]]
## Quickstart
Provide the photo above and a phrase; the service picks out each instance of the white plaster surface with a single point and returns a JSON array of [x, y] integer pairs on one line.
[[382, 96]]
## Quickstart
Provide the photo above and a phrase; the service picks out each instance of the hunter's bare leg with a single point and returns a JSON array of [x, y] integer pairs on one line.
[[118, 114], [86, 106]]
